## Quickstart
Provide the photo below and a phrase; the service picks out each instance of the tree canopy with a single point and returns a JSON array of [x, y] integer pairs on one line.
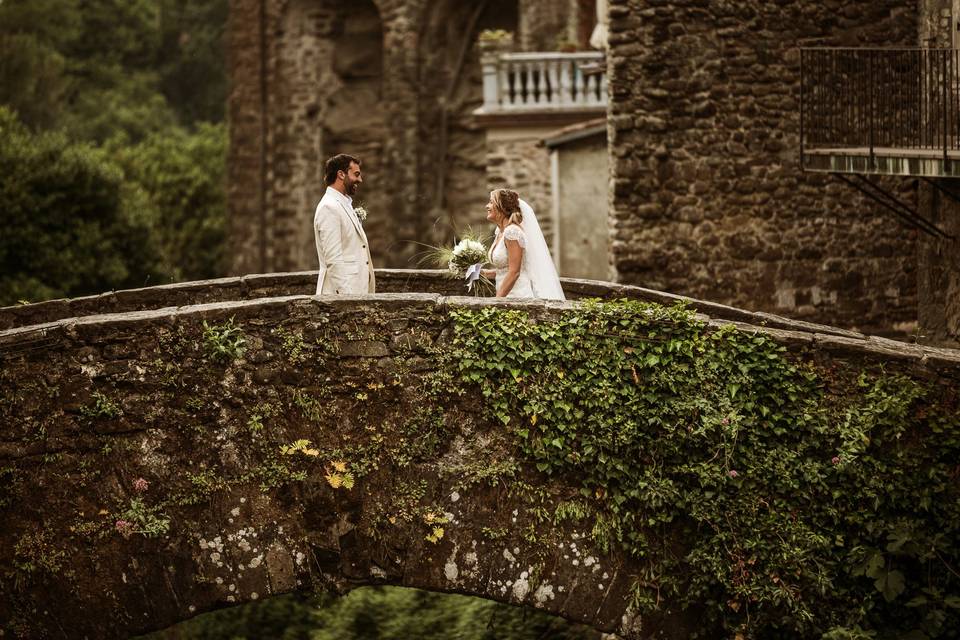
[[112, 144], [66, 229]]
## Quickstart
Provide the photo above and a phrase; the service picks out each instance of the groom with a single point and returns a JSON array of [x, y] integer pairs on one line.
[[345, 264]]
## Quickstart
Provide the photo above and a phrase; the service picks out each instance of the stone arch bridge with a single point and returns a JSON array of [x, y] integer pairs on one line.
[[176, 449]]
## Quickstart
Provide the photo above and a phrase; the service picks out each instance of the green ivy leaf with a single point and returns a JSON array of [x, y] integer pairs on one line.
[[891, 584]]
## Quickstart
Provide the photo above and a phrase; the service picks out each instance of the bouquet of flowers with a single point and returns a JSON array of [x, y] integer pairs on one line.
[[465, 260]]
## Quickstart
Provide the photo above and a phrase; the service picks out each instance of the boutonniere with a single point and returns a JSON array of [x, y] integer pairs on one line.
[[361, 213]]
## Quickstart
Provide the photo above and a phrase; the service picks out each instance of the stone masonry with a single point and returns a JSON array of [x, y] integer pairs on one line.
[[523, 164], [149, 475], [392, 81], [938, 259], [708, 196]]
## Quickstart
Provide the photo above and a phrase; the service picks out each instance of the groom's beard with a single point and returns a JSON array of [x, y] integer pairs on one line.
[[352, 188]]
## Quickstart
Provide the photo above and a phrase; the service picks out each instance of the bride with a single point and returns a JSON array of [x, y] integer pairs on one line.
[[521, 260]]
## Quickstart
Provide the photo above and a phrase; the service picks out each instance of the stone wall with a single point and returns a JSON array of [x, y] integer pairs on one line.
[[938, 262], [544, 24], [152, 472], [160, 489], [518, 160], [938, 269], [36, 317], [935, 23], [451, 189], [246, 169], [708, 197], [392, 81], [938, 259], [332, 78], [309, 111]]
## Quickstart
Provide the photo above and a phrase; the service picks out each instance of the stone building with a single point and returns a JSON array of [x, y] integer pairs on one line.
[[705, 192], [708, 196], [395, 82]]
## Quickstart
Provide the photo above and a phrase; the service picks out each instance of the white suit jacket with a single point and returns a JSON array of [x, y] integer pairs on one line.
[[342, 247]]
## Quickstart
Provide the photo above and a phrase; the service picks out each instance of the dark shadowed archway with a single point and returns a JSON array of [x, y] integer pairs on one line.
[[325, 98], [453, 177]]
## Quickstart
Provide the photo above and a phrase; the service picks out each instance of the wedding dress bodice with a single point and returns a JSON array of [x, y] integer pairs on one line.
[[500, 261]]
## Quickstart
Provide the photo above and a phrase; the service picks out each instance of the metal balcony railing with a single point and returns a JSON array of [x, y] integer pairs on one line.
[[525, 82], [893, 112], [880, 103]]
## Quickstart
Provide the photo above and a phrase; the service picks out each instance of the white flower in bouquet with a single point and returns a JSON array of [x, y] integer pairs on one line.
[[361, 213], [466, 253], [465, 260]]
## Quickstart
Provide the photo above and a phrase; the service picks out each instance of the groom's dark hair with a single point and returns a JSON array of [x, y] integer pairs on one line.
[[339, 162]]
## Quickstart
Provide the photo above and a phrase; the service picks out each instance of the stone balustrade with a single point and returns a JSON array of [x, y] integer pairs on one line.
[[524, 82]]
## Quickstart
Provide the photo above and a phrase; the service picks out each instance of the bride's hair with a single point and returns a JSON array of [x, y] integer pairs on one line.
[[508, 202]]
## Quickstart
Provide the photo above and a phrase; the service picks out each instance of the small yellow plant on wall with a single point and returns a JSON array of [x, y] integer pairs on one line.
[[337, 475]]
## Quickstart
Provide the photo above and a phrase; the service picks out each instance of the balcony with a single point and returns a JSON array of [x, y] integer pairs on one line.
[[880, 111], [542, 88]]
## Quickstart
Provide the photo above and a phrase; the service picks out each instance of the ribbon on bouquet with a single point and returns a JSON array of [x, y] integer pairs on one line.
[[473, 274]]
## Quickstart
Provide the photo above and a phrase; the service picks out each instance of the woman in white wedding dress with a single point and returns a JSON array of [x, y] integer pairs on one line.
[[521, 260]]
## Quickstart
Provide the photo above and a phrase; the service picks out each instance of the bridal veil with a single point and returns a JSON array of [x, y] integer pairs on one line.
[[540, 268]]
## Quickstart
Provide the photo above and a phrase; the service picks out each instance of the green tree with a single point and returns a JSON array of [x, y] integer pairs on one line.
[[66, 231], [103, 69], [121, 111], [138, 79], [288, 617], [125, 33], [88, 67], [34, 78], [192, 62], [180, 178], [391, 613], [376, 613], [114, 90]]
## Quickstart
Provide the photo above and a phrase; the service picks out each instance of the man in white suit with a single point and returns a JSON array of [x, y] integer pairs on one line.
[[342, 247]]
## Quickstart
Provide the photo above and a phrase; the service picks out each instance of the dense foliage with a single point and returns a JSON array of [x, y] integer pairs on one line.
[[372, 613], [131, 95], [773, 497], [109, 68], [180, 179], [66, 230]]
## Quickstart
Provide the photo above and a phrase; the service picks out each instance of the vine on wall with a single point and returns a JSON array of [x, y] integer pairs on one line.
[[772, 495]]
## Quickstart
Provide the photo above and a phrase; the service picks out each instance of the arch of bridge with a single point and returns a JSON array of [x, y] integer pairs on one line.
[[125, 417]]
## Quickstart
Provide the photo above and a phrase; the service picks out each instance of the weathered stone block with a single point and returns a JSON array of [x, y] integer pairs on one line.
[[364, 349]]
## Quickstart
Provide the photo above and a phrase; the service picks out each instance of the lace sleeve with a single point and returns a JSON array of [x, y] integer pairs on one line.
[[515, 233]]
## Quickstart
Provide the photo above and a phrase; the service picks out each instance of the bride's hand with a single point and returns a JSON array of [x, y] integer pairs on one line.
[[489, 274]]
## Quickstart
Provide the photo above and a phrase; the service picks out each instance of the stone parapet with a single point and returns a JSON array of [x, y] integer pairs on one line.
[[389, 281]]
